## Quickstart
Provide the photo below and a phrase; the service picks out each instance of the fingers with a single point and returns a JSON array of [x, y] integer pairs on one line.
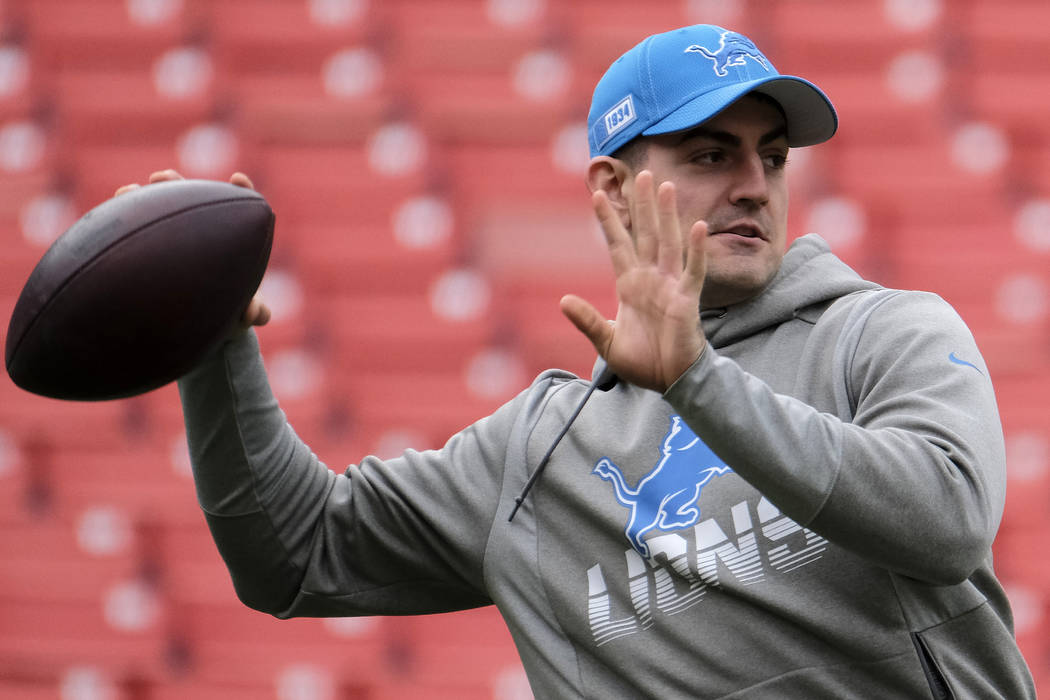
[[646, 220], [695, 260], [589, 321], [164, 176], [238, 178], [241, 180], [669, 249], [158, 176], [621, 247], [655, 226]]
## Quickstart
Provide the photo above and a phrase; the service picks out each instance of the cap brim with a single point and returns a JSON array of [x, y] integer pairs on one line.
[[811, 118]]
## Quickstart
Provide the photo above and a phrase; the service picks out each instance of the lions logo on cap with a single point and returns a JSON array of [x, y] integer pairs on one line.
[[733, 50]]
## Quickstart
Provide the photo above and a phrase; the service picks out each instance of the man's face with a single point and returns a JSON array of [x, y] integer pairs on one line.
[[729, 172]]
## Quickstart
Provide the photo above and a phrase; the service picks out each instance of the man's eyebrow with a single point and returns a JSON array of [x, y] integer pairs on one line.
[[779, 132], [723, 137], [730, 139]]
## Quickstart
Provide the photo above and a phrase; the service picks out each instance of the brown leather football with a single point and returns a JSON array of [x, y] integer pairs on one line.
[[139, 290]]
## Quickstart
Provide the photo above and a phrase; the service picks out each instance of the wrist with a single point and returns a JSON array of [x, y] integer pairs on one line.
[[694, 366]]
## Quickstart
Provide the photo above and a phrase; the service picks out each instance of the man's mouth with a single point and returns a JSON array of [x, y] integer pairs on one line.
[[742, 230]]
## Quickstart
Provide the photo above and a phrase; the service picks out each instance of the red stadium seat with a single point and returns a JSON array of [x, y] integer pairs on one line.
[[50, 424], [63, 604], [19, 497], [461, 690], [231, 644], [344, 259], [133, 111], [1022, 399], [544, 240], [1021, 557], [536, 251], [544, 336], [460, 36], [41, 557], [815, 38], [312, 183], [296, 109], [42, 639], [100, 169], [602, 31], [283, 36], [1005, 37], [16, 190], [100, 34], [432, 405], [875, 172], [181, 687], [488, 109], [155, 421], [29, 152], [141, 483], [1041, 173], [870, 113], [1027, 503], [388, 332], [273, 69], [525, 173], [22, 89], [1010, 99], [28, 689], [940, 272]]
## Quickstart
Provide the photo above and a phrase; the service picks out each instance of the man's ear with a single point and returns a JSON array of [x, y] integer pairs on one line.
[[616, 179]]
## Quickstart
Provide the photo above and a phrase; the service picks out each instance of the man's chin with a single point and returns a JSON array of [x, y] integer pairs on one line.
[[722, 290]]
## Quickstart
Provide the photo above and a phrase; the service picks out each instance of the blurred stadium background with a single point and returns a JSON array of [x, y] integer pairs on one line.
[[424, 159]]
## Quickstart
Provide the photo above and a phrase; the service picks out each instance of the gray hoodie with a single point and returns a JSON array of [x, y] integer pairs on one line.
[[808, 512]]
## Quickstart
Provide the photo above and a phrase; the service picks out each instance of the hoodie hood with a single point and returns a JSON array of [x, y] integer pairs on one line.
[[809, 274]]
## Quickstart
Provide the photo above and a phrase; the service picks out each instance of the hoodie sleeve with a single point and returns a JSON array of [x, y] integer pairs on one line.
[[402, 536], [914, 483]]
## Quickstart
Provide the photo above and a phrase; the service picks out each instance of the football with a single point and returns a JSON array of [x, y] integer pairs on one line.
[[139, 290]]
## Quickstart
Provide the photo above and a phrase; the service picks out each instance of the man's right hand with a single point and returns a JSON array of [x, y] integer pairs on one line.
[[257, 313], [656, 335]]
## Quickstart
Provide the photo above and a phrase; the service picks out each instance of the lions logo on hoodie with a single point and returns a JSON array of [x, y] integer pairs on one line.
[[667, 497]]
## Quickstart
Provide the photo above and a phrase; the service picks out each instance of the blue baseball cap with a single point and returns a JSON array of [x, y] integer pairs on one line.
[[681, 78]]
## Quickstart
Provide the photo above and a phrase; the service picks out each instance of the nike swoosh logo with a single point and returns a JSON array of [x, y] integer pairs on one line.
[[952, 357]]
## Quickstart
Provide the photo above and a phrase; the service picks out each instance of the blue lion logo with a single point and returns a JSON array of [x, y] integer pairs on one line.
[[733, 50], [666, 497]]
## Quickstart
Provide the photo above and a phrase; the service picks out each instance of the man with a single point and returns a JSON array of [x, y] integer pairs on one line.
[[787, 490]]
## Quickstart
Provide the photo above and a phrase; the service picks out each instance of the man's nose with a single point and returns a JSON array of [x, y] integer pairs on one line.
[[750, 183]]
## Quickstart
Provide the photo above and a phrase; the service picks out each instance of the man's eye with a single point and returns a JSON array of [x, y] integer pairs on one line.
[[776, 161], [708, 157]]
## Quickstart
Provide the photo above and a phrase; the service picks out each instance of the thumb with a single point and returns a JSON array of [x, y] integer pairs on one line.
[[589, 321]]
